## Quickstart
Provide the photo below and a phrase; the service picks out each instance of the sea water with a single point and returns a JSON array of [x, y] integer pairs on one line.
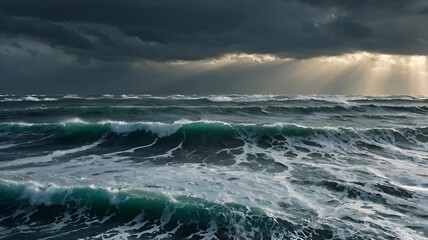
[[213, 167]]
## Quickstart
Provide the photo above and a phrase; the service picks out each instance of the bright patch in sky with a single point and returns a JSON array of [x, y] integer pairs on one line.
[[378, 71], [353, 73]]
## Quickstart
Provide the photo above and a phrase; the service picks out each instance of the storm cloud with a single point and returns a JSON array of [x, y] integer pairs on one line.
[[52, 45], [192, 29]]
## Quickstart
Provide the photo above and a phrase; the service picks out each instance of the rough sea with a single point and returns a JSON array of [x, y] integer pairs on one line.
[[213, 167]]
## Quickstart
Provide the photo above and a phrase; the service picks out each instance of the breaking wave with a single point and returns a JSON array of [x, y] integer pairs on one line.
[[49, 209]]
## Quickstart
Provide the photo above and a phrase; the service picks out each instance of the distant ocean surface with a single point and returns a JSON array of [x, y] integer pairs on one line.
[[213, 167]]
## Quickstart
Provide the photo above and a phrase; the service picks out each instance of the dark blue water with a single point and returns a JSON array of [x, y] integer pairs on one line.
[[213, 167]]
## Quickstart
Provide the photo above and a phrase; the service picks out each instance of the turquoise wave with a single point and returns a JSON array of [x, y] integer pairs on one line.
[[49, 210]]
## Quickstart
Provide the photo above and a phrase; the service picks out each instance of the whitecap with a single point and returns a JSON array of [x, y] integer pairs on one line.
[[124, 96], [35, 99], [157, 128]]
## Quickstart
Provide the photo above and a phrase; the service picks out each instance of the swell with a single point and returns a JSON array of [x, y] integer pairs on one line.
[[201, 127], [217, 98], [41, 113], [48, 210], [215, 141], [30, 210]]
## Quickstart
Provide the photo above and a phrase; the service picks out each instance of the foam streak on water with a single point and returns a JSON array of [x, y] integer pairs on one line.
[[213, 167]]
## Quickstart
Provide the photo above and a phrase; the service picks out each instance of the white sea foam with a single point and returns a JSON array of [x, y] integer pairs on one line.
[[72, 96], [35, 99], [125, 96], [244, 98], [157, 128], [21, 124], [9, 145], [220, 99], [175, 97], [281, 124], [29, 99], [10, 100], [42, 194], [49, 157], [75, 120], [38, 194]]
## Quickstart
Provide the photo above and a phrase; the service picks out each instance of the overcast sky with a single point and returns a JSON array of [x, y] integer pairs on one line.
[[215, 46]]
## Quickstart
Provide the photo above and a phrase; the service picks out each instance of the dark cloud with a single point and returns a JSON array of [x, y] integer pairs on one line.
[[349, 29], [52, 32], [369, 5], [49, 71], [164, 30], [424, 11], [95, 46]]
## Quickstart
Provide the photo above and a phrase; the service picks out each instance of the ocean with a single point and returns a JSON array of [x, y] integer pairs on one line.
[[213, 167]]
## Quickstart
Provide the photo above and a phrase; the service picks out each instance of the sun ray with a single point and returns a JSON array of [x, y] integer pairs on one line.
[[418, 74], [364, 73]]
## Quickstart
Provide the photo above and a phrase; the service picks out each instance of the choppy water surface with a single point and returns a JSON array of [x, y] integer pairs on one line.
[[213, 167]]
